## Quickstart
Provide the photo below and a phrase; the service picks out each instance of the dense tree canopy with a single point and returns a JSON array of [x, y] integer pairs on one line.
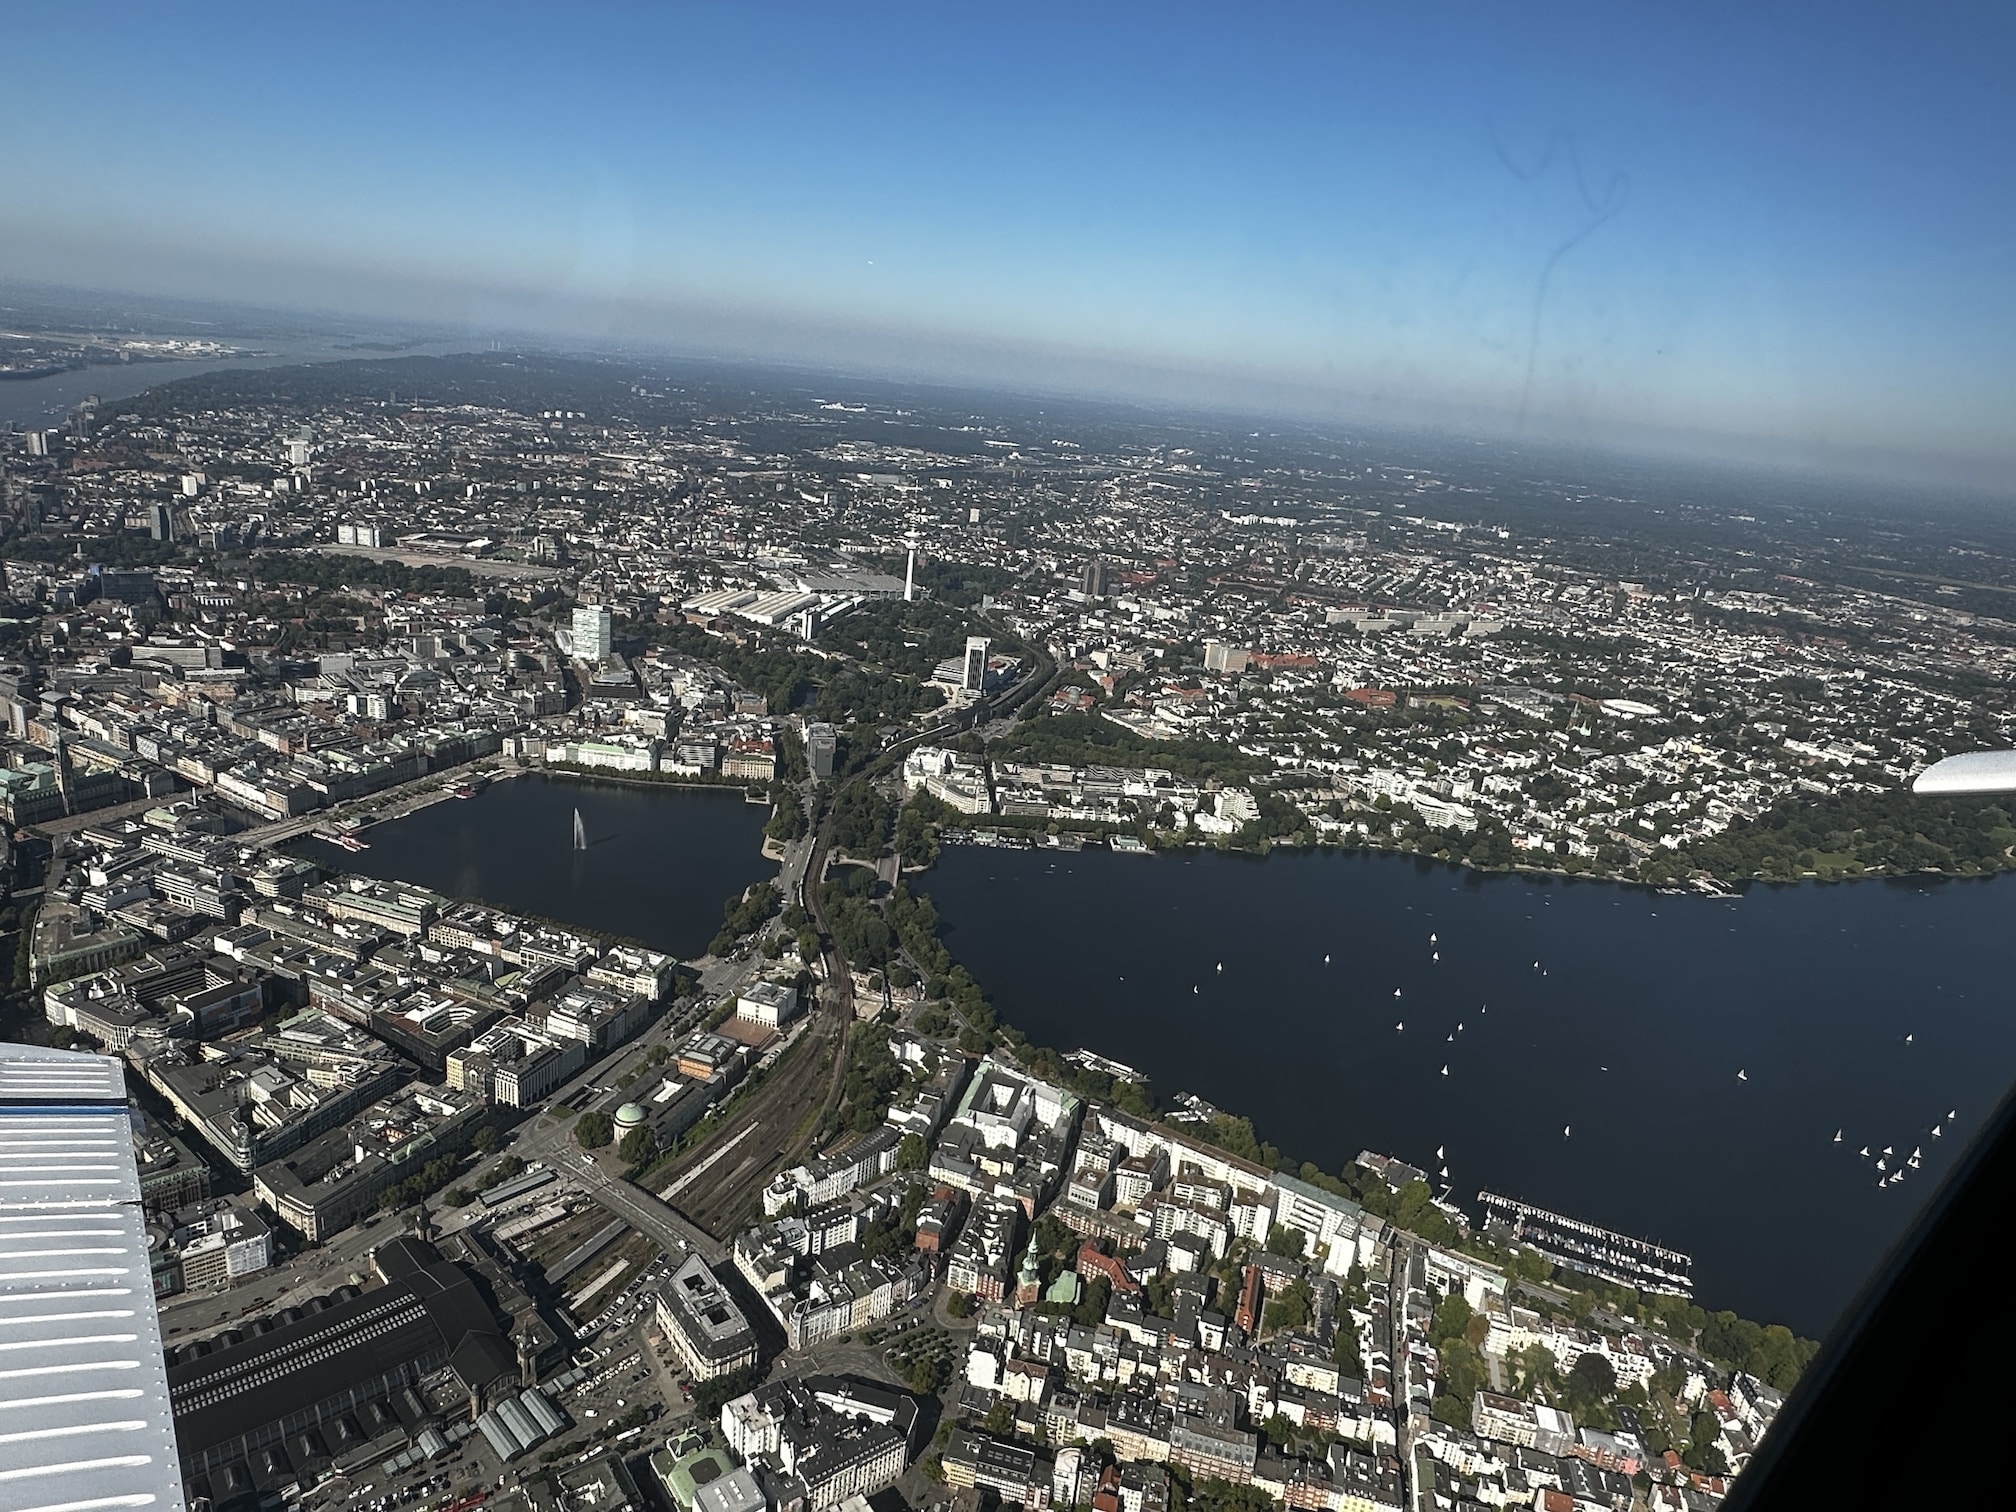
[[787, 821], [1090, 740], [1292, 1309], [335, 569], [745, 915], [917, 828], [861, 819], [906, 638], [638, 1147], [1450, 1320], [870, 1083], [795, 680], [1850, 834]]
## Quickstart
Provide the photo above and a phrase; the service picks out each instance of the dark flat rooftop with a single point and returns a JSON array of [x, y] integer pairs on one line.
[[432, 1308]]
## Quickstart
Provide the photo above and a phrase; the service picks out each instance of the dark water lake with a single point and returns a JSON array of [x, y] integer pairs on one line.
[[1618, 1014], [661, 863]]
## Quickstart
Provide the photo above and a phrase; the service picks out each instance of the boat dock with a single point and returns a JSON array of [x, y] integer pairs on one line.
[[991, 838], [1104, 1066], [1190, 1108], [1616, 1258]]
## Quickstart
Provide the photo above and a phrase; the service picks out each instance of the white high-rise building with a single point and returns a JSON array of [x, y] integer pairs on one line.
[[594, 632], [1221, 657], [975, 678]]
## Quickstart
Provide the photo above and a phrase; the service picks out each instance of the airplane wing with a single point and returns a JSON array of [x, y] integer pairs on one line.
[[84, 1416], [1974, 772]]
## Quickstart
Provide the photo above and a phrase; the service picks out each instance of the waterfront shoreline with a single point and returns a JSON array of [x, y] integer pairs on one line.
[[735, 785], [676, 784], [1590, 1043], [622, 886], [1706, 887]]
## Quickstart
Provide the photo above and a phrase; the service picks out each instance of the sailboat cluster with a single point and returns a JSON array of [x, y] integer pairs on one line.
[[1891, 1168]]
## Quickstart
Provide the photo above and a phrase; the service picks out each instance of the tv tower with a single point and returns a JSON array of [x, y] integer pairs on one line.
[[910, 570]]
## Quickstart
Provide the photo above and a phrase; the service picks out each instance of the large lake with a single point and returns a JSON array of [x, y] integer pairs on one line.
[[1619, 1014], [661, 863]]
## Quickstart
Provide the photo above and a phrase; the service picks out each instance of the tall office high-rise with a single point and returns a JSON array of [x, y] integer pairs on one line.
[[1221, 657], [1092, 581], [594, 632], [821, 743], [974, 678]]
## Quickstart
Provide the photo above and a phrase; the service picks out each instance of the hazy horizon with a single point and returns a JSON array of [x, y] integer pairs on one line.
[[1730, 234], [1166, 394], [1724, 232]]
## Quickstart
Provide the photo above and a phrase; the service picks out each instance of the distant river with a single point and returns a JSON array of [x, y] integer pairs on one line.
[[1616, 1013], [660, 864], [31, 403]]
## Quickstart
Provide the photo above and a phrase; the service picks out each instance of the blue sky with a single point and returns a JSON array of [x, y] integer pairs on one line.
[[1752, 224]]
